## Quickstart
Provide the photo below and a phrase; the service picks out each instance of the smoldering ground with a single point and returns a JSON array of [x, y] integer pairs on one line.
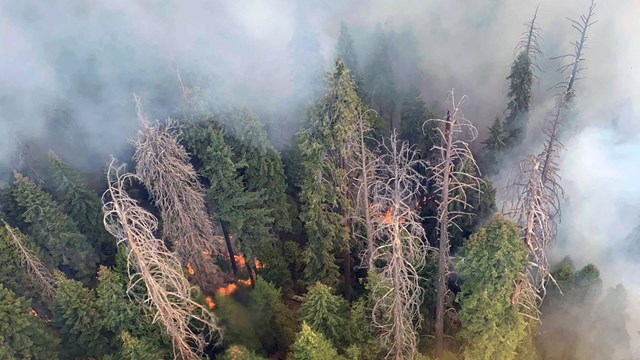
[[71, 66]]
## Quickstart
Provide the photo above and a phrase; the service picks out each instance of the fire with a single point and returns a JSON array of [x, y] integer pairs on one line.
[[210, 303], [190, 269], [387, 216], [228, 290]]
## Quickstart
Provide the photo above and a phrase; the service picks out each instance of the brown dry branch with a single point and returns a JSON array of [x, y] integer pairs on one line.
[[189, 325], [400, 245], [451, 186], [39, 274], [362, 164], [163, 166]]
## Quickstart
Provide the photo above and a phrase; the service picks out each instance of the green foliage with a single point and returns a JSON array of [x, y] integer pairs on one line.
[[413, 117], [325, 313], [494, 147], [239, 352], [23, 335], [519, 97], [311, 345], [359, 334], [80, 321], [324, 187], [54, 231], [346, 51], [124, 317], [276, 269], [493, 259], [13, 273], [237, 322], [83, 206], [273, 321], [139, 349], [263, 170]]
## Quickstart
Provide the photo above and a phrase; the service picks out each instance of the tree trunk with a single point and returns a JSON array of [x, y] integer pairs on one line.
[[227, 240], [251, 277]]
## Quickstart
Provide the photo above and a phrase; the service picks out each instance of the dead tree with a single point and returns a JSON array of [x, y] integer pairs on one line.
[[451, 186], [168, 293], [529, 39], [164, 168], [362, 165], [536, 191], [400, 245], [39, 274]]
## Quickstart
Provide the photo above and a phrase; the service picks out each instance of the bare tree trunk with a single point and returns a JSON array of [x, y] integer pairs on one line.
[[450, 184], [227, 240]]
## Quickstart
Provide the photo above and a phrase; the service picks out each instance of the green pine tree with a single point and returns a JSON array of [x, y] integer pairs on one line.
[[23, 335], [13, 274], [83, 206], [141, 348], [80, 321], [272, 319], [53, 230], [412, 118], [492, 260], [494, 147], [519, 98], [346, 51], [324, 187], [310, 345], [239, 352], [325, 313]]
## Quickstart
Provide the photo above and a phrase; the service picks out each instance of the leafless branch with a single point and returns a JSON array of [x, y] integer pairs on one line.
[[451, 186], [163, 166], [401, 245], [189, 325]]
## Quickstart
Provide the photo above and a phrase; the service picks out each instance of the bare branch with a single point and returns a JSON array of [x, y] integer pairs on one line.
[[401, 245], [163, 166], [168, 293]]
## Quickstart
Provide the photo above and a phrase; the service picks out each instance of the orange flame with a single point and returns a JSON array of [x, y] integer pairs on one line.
[[387, 216], [210, 303], [228, 290], [190, 269]]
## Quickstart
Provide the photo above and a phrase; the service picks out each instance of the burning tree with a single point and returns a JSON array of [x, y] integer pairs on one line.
[[400, 246], [164, 168], [452, 183], [168, 293]]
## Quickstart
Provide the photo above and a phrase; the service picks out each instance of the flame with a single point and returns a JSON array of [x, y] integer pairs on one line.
[[259, 265], [387, 216], [210, 303], [228, 290], [190, 269]]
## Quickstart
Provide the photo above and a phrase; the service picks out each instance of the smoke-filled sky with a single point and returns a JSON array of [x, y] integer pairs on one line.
[[87, 57]]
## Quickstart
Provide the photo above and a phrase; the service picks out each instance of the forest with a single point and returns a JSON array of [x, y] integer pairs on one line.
[[354, 201]]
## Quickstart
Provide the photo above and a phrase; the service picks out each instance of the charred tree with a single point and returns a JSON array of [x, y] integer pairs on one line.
[[451, 188]]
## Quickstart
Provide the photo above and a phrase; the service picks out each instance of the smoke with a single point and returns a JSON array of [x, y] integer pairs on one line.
[[82, 60]]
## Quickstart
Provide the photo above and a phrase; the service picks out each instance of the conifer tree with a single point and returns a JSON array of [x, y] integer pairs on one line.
[[379, 79], [83, 206], [23, 335], [521, 80], [239, 352], [263, 170], [138, 349], [310, 345], [272, 319], [53, 230], [13, 274], [414, 114], [79, 319], [324, 312], [494, 147], [346, 51], [325, 187], [492, 262]]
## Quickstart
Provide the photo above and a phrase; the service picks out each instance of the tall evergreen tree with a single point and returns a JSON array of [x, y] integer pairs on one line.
[[414, 114], [324, 188], [379, 78], [13, 275], [83, 206], [346, 51], [263, 170], [493, 260], [325, 313], [23, 335], [53, 230], [521, 80], [311, 345], [80, 321]]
